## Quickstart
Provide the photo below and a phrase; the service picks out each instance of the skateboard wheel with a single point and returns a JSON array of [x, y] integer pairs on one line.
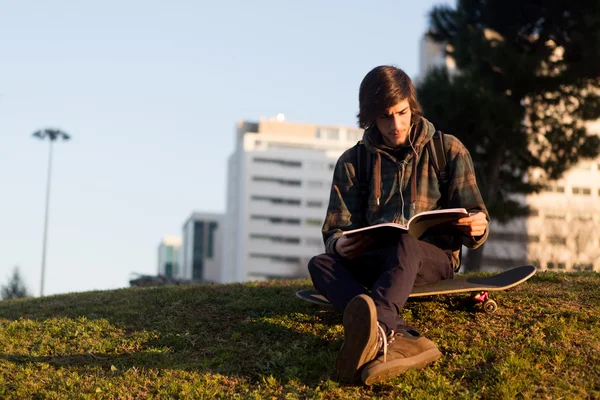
[[490, 306]]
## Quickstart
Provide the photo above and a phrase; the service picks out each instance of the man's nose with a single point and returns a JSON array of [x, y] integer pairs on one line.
[[397, 122]]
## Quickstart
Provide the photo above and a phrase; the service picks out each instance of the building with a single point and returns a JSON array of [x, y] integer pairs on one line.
[[432, 55], [201, 257], [563, 231], [279, 180], [168, 256]]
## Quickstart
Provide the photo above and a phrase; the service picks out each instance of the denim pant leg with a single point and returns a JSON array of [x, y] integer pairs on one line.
[[411, 263]]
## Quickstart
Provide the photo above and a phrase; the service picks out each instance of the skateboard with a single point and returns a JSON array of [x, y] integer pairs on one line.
[[480, 286]]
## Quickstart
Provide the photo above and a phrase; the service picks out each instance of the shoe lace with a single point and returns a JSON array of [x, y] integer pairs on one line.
[[384, 340]]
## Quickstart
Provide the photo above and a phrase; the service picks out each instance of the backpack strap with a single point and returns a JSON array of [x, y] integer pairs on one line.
[[437, 152]]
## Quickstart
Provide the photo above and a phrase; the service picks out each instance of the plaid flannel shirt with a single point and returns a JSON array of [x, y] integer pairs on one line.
[[348, 210]]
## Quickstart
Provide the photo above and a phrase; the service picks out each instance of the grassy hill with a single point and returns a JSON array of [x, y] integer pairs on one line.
[[260, 341]]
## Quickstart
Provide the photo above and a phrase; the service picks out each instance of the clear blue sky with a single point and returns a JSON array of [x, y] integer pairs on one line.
[[150, 92]]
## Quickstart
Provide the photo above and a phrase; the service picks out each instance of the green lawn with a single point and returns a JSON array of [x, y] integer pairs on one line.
[[260, 341]]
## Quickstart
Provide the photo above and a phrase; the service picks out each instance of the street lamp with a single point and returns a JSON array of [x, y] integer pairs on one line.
[[52, 134]]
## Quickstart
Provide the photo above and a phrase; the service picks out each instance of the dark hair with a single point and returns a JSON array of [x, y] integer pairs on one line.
[[384, 87]]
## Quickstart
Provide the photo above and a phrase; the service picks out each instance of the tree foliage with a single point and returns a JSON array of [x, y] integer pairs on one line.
[[15, 288], [527, 79]]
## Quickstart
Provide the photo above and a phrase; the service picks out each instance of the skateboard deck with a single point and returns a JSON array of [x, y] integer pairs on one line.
[[479, 285]]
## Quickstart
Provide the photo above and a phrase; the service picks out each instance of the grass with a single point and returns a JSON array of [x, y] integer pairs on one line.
[[259, 341]]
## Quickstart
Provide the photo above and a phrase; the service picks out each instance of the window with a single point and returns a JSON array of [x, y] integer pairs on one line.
[[210, 251], [283, 163], [583, 267], [314, 203], [276, 220], [169, 269], [556, 239], [582, 217], [280, 181], [198, 251], [561, 266], [534, 212], [313, 222], [582, 190], [271, 257], [277, 200], [328, 133], [314, 184], [555, 215], [560, 189], [275, 238]]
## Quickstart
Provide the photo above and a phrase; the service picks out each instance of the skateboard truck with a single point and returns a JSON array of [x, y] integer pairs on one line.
[[488, 305]]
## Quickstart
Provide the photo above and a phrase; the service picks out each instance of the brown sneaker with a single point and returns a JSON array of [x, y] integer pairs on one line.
[[403, 352], [360, 337]]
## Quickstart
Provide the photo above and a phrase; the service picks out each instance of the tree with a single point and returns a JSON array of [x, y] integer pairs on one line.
[[15, 288], [526, 82]]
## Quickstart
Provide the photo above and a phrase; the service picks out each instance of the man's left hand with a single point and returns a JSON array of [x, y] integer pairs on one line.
[[474, 225]]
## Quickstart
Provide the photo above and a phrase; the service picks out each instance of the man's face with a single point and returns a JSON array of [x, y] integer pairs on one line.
[[394, 124]]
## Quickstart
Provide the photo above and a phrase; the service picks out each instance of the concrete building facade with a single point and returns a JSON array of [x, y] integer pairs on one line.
[[201, 256], [168, 256], [279, 180]]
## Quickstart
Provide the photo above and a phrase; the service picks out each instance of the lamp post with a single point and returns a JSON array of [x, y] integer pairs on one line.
[[52, 135]]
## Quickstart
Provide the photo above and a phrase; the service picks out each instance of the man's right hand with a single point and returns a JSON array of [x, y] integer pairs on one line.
[[352, 246]]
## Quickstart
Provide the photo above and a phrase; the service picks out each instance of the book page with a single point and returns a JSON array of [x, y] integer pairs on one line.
[[439, 219]]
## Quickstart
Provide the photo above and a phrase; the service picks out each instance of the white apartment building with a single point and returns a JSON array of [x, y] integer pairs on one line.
[[168, 256], [279, 180], [563, 232], [201, 255], [432, 55]]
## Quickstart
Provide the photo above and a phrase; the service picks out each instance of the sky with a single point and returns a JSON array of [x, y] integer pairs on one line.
[[150, 92]]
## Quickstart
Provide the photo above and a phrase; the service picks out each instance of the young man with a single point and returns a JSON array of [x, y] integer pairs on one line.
[[371, 286]]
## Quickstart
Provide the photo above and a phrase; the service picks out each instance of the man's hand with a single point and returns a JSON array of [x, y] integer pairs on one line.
[[474, 225], [352, 246]]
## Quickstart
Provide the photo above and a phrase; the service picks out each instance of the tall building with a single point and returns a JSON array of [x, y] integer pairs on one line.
[[563, 231], [279, 180], [432, 55], [168, 256], [201, 254]]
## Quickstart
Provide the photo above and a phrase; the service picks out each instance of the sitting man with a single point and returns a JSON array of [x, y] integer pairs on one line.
[[371, 284]]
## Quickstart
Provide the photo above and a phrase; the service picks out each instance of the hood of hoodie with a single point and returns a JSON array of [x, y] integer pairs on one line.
[[423, 131]]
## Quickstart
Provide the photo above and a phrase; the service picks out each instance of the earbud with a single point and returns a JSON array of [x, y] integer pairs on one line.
[[410, 140]]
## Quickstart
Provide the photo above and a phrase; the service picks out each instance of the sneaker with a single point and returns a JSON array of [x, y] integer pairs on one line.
[[361, 337], [401, 352]]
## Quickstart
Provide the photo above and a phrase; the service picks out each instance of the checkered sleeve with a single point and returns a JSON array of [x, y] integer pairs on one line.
[[463, 190], [345, 203]]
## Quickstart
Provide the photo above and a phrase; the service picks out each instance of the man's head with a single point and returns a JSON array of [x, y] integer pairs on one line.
[[387, 98]]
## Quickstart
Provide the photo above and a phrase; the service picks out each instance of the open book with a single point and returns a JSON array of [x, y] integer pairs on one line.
[[431, 222]]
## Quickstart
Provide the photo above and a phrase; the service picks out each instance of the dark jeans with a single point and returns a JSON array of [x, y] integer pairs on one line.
[[389, 274]]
